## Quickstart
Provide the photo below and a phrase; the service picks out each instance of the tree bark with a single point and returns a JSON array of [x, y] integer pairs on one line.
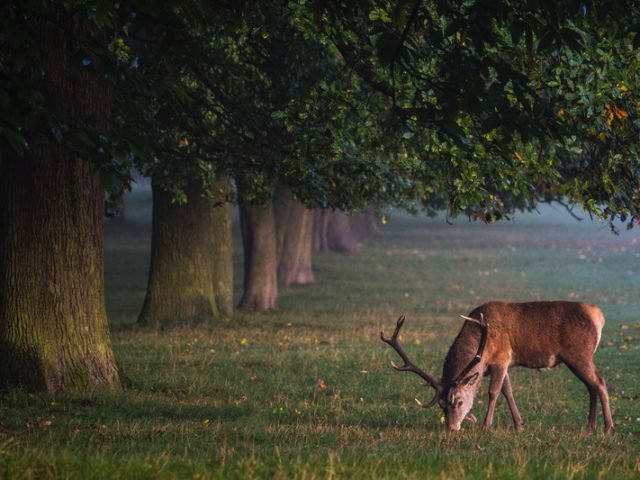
[[294, 227], [320, 227], [190, 273], [53, 325], [222, 255], [257, 223]]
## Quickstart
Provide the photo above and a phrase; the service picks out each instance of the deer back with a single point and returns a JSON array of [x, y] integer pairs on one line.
[[530, 334]]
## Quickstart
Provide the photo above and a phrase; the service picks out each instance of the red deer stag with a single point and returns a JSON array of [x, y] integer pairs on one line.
[[498, 335]]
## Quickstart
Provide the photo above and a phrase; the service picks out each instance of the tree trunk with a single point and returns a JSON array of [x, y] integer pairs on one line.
[[222, 255], [190, 273], [333, 232], [336, 231], [365, 224], [294, 227], [320, 224], [257, 223], [53, 325]]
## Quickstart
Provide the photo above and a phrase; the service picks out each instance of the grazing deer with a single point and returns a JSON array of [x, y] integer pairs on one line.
[[498, 335]]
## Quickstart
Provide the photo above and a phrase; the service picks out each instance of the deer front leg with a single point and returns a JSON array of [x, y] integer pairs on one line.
[[508, 393], [498, 375]]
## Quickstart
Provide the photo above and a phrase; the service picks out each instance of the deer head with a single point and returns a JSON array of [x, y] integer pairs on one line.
[[454, 395]]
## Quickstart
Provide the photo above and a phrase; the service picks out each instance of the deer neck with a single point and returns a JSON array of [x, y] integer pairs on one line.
[[462, 352]]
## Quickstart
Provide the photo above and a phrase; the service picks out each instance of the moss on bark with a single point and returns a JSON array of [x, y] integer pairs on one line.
[[190, 273], [53, 325]]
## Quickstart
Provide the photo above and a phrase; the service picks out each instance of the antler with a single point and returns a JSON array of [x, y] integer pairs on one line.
[[483, 341], [408, 365]]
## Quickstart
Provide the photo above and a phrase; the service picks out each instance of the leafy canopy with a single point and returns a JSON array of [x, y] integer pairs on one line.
[[481, 106]]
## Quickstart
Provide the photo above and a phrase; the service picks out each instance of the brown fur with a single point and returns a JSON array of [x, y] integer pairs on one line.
[[535, 335]]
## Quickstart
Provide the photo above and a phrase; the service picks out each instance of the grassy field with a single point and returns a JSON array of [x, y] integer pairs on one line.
[[308, 392]]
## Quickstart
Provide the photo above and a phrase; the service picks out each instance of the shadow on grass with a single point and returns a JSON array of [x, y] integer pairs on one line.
[[157, 410]]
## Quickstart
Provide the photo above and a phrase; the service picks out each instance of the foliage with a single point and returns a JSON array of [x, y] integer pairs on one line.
[[481, 106], [476, 85], [600, 107], [97, 30], [271, 104]]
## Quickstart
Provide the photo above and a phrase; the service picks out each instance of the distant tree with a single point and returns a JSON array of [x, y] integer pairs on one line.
[[258, 227], [294, 232]]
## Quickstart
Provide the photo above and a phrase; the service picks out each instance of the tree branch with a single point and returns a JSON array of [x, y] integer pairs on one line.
[[569, 209], [364, 70]]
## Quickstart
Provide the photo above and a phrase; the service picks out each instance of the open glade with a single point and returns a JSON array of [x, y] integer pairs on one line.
[[308, 392]]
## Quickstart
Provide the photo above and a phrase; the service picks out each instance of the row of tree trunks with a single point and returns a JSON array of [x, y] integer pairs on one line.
[[191, 270], [190, 277], [53, 325], [279, 239]]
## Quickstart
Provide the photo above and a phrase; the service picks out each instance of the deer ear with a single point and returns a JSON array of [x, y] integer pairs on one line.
[[471, 379]]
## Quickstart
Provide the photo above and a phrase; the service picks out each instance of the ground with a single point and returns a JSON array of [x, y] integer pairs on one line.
[[308, 392]]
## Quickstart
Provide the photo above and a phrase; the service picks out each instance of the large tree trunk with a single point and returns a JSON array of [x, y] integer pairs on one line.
[[294, 227], [190, 274], [258, 228], [53, 325]]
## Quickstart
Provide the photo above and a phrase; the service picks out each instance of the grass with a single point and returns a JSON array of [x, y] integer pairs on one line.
[[308, 392]]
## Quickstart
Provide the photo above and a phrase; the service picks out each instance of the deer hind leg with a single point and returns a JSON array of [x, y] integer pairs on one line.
[[597, 388], [498, 375], [604, 399], [508, 394], [593, 407]]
